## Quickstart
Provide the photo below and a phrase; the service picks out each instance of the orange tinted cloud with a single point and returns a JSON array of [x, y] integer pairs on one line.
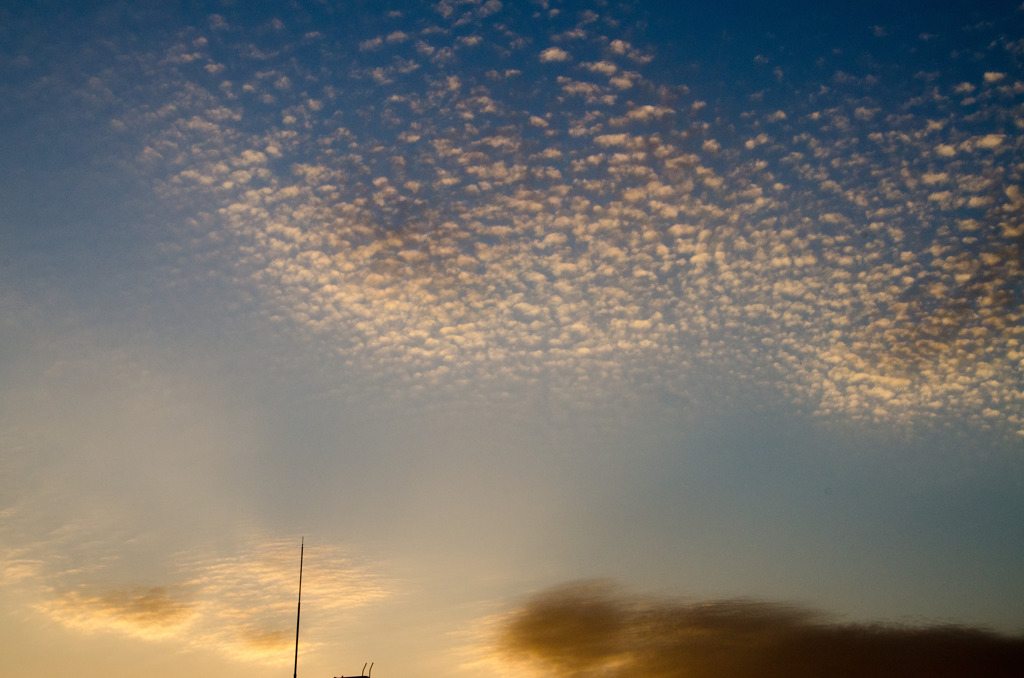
[[154, 612], [242, 606], [584, 630]]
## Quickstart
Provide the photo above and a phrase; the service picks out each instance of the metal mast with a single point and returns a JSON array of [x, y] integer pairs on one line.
[[298, 613]]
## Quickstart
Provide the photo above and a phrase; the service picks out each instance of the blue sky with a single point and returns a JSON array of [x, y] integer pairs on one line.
[[484, 298]]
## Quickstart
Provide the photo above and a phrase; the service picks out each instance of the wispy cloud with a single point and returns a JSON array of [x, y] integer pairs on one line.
[[150, 613], [242, 606]]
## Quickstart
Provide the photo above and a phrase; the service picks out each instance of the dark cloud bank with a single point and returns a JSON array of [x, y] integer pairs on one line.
[[586, 629]]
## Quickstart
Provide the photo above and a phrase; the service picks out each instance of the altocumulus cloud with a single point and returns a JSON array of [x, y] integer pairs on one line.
[[586, 629], [611, 234]]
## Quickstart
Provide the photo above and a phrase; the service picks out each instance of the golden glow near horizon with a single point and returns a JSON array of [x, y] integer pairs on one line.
[[235, 605]]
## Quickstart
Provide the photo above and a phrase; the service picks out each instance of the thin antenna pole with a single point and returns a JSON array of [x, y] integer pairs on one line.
[[298, 613]]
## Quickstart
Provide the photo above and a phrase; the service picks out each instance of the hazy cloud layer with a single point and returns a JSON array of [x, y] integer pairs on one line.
[[586, 630], [243, 605]]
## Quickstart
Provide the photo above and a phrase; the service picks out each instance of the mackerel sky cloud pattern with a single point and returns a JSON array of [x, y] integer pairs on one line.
[[453, 202]]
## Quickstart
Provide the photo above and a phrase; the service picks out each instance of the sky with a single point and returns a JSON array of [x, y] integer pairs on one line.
[[570, 338]]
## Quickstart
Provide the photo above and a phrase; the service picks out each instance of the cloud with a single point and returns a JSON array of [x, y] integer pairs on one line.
[[602, 67], [336, 233], [554, 54], [586, 630], [490, 7], [241, 606], [623, 48], [150, 613]]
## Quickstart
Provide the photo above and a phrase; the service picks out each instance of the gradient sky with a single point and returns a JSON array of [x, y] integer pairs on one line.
[[483, 297]]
